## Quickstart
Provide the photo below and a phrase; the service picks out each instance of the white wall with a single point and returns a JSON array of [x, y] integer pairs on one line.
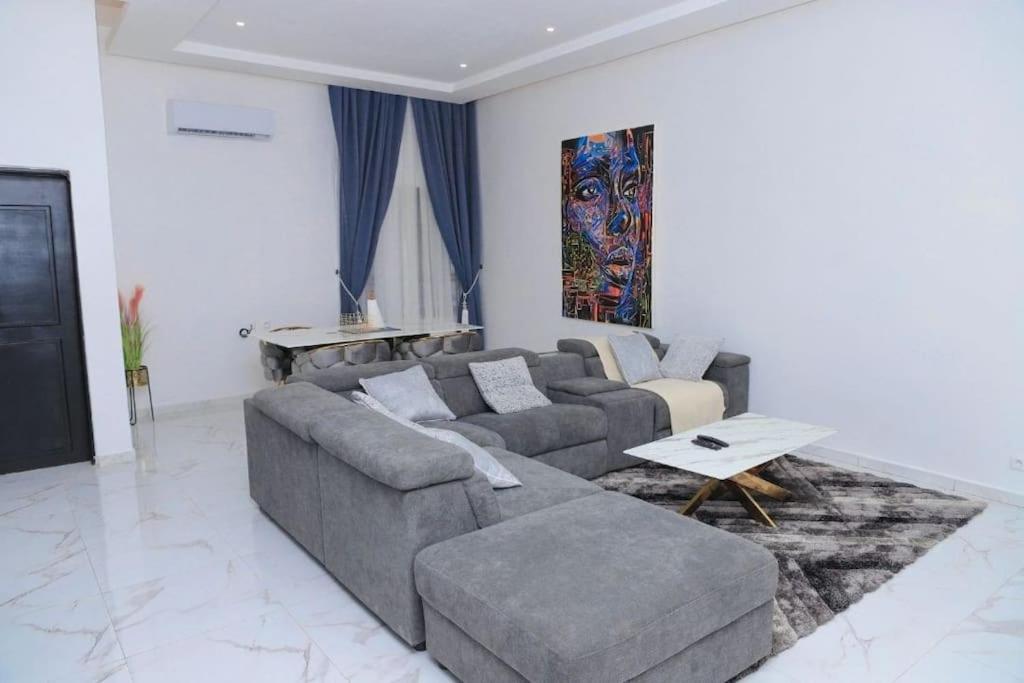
[[51, 117], [838, 193], [221, 232]]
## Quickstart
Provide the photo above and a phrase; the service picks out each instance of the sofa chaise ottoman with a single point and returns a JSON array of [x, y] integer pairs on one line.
[[604, 588]]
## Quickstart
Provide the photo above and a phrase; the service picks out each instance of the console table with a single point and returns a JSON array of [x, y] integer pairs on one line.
[[280, 347], [313, 337]]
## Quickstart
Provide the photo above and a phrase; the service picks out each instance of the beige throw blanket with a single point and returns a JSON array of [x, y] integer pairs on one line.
[[690, 404], [604, 352]]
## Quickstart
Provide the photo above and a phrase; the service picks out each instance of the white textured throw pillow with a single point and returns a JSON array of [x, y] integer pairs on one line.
[[635, 358], [690, 357], [485, 463], [507, 386], [409, 394]]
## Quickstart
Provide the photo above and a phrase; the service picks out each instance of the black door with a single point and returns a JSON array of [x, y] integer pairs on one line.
[[44, 410]]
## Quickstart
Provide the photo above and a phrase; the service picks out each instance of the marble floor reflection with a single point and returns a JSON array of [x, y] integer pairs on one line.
[[164, 570]]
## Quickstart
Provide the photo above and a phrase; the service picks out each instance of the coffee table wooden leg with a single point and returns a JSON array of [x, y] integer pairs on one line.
[[753, 507], [702, 494], [756, 483]]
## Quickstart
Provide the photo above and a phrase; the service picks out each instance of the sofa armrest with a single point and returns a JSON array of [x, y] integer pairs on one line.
[[631, 415], [296, 406], [732, 371], [394, 455], [585, 386], [726, 359]]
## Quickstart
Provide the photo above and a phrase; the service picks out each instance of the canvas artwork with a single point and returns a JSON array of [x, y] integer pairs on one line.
[[607, 187]]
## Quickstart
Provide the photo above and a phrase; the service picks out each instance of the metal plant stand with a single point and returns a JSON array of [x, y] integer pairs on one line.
[[131, 378]]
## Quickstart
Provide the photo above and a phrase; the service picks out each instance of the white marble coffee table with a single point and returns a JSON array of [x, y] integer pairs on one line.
[[754, 442]]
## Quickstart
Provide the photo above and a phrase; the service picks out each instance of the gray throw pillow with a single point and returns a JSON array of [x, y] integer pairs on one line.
[[506, 385], [690, 357], [635, 358], [497, 474], [408, 394], [370, 402]]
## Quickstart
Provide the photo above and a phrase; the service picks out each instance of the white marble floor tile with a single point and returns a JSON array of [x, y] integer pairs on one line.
[[362, 647], [255, 533], [988, 644], [290, 576], [114, 673], [127, 508], [27, 496], [58, 642], [154, 546], [270, 648], [157, 612], [44, 561]]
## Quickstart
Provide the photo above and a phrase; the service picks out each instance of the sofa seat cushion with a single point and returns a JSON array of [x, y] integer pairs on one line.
[[543, 485], [548, 428], [602, 588], [481, 436]]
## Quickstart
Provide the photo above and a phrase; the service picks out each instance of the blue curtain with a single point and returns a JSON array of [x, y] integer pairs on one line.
[[447, 137], [368, 127]]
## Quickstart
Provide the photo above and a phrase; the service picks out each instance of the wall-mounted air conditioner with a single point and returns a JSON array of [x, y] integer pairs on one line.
[[220, 120]]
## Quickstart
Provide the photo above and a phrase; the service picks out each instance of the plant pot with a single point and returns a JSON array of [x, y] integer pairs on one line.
[[138, 377]]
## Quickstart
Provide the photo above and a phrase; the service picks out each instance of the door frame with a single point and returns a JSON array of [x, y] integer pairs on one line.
[[65, 176]]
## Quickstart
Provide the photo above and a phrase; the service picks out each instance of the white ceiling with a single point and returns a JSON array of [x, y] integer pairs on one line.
[[413, 47]]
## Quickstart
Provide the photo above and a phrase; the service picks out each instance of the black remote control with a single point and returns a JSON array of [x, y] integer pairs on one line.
[[706, 444], [711, 439]]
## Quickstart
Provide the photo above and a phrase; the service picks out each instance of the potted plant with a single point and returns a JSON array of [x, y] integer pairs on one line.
[[134, 335]]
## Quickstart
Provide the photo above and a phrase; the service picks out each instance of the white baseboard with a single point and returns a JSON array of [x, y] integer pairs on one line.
[[912, 475], [114, 458]]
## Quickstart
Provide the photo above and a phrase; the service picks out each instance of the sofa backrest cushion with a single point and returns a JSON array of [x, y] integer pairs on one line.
[[560, 366], [342, 379], [459, 391]]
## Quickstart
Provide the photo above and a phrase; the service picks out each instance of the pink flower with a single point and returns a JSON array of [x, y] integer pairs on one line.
[[130, 311]]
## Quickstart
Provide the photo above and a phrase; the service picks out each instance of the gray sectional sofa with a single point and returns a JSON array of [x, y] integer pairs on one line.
[[555, 580]]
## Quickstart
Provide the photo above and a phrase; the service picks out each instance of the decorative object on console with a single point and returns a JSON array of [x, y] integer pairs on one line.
[[354, 317], [607, 188], [841, 536], [374, 318], [408, 394], [690, 357], [635, 358], [507, 386], [134, 340]]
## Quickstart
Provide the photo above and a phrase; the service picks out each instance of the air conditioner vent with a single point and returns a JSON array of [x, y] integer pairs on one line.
[[219, 120]]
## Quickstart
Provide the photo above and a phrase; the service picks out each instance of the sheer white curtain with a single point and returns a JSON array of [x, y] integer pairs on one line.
[[412, 276]]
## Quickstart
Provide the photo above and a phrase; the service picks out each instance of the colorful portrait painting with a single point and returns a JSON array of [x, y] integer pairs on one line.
[[607, 189]]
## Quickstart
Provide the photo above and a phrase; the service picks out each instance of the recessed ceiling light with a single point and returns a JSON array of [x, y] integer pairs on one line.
[[550, 29], [463, 66], [240, 24]]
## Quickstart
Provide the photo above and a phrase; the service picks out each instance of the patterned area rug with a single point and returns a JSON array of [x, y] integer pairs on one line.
[[842, 535]]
